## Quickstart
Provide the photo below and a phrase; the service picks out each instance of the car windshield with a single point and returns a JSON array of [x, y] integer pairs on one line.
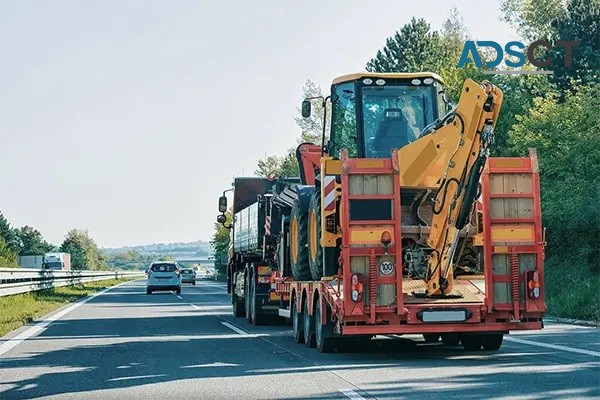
[[163, 268], [187, 271]]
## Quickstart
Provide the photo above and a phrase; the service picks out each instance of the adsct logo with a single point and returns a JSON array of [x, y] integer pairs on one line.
[[516, 49]]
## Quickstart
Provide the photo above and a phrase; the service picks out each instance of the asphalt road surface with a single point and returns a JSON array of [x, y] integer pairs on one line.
[[125, 344]]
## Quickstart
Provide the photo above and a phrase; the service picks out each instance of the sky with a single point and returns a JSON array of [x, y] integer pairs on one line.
[[129, 118]]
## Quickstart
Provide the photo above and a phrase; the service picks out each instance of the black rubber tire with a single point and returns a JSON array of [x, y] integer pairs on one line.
[[431, 337], [247, 303], [238, 306], [450, 339], [178, 291], [309, 331], [297, 323], [148, 291], [492, 342], [194, 283], [325, 340], [256, 318], [300, 268], [471, 342], [315, 261]]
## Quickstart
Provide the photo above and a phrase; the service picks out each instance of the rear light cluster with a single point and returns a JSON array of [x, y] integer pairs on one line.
[[533, 284], [357, 288]]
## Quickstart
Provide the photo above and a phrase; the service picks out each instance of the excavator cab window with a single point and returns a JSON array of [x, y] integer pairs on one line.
[[394, 115], [344, 134]]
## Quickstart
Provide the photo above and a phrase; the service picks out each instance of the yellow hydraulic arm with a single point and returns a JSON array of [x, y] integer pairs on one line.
[[454, 155]]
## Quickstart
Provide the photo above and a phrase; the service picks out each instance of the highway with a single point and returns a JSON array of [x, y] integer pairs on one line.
[[125, 344]]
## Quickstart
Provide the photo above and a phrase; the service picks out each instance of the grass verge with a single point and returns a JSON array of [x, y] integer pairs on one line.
[[572, 289], [20, 309]]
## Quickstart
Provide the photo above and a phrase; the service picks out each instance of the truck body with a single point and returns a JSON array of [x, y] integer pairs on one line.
[[400, 224], [57, 261], [31, 261]]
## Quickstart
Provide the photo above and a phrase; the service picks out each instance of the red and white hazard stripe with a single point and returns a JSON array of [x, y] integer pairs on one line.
[[329, 193], [268, 225]]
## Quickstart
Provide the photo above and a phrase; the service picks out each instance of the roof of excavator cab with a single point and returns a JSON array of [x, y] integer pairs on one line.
[[387, 75]]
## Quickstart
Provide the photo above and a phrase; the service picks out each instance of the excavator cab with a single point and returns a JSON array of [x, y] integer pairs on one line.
[[374, 114]]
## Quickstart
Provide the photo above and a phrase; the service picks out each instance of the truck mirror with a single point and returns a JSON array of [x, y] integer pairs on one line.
[[306, 109], [221, 218], [222, 204]]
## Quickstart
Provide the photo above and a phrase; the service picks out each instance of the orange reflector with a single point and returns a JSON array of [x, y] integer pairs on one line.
[[386, 238]]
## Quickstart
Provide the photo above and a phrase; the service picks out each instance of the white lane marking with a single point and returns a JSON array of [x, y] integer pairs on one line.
[[179, 297], [351, 394], [195, 306], [553, 346], [234, 328], [128, 378], [40, 326]]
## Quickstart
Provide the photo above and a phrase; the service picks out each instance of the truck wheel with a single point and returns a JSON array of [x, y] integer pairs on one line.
[[298, 243], [450, 339], [323, 333], [431, 337], [309, 332], [315, 250], [247, 302], [255, 317], [492, 342], [471, 342], [297, 323], [238, 306]]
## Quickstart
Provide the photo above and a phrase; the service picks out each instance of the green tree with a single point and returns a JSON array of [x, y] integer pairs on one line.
[[220, 243], [32, 242], [9, 234], [84, 251], [8, 258], [532, 19]]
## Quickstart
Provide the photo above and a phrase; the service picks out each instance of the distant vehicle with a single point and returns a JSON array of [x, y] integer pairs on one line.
[[188, 276], [54, 261], [163, 275], [61, 261]]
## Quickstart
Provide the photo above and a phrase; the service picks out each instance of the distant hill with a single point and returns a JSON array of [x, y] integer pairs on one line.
[[191, 249]]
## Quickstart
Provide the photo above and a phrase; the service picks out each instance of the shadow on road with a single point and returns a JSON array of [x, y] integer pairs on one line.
[[160, 349]]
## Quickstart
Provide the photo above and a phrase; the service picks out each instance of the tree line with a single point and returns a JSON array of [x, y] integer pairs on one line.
[[558, 114], [28, 241]]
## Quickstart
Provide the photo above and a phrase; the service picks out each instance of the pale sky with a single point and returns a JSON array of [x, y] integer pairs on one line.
[[129, 118]]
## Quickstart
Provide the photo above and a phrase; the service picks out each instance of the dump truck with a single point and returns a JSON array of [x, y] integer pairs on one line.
[[400, 223]]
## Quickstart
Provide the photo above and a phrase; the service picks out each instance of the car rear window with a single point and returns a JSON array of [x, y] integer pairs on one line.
[[163, 268], [187, 271]]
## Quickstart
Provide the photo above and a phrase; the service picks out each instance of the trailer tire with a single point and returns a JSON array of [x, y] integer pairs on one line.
[[316, 252], [247, 303], [431, 337], [309, 331], [238, 306], [450, 339], [492, 342], [471, 342], [324, 337], [297, 323], [299, 242], [255, 317]]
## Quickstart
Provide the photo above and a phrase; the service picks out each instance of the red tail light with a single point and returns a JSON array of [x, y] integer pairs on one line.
[[533, 284], [357, 288]]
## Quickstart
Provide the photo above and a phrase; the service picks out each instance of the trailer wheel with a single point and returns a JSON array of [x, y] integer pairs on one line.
[[316, 252], [297, 323], [309, 332], [299, 242], [431, 337], [238, 306], [471, 342], [325, 341], [247, 303], [255, 317], [450, 339], [492, 342]]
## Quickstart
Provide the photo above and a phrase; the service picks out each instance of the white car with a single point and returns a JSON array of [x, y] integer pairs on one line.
[[163, 275]]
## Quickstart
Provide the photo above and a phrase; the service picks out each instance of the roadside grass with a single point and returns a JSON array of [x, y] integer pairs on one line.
[[20, 309], [572, 289]]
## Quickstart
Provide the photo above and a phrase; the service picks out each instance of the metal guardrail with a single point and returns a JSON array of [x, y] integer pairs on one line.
[[23, 280]]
